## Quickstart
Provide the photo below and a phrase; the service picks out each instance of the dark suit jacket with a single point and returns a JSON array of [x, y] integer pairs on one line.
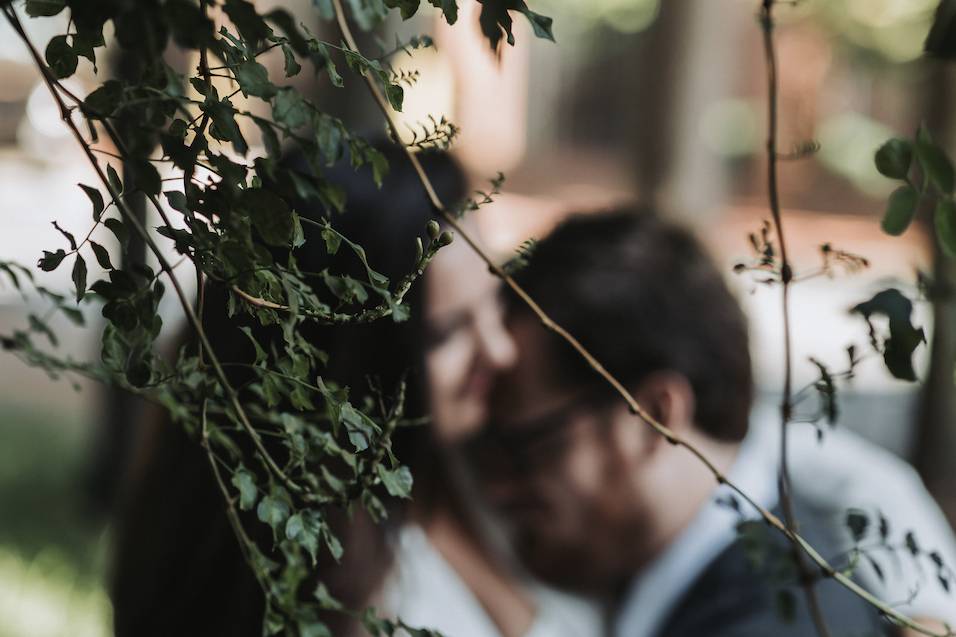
[[734, 597]]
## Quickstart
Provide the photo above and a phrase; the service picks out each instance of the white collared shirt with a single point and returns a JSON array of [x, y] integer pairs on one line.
[[841, 472], [656, 591]]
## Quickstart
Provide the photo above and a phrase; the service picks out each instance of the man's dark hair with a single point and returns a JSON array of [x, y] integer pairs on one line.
[[643, 296]]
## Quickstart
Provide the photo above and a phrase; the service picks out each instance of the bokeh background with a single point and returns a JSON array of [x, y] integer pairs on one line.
[[663, 102]]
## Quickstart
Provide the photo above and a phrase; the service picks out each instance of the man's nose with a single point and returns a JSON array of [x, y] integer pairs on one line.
[[495, 343]]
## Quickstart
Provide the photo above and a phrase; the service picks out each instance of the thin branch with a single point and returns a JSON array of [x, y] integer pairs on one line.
[[807, 581], [632, 403]]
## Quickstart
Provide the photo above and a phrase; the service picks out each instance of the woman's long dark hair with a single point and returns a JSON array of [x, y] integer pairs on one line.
[[177, 568]]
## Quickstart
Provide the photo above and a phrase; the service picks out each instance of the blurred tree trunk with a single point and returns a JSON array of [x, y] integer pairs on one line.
[[935, 439]]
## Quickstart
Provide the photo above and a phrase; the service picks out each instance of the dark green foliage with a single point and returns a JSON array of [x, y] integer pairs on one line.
[[900, 210], [904, 337], [242, 228]]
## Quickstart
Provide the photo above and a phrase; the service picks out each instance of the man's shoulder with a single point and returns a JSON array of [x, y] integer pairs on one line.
[[751, 589]]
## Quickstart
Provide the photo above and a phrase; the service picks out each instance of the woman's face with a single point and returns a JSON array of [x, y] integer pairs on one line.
[[466, 340]]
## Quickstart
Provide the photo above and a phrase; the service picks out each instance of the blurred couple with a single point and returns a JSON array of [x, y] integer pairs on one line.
[[541, 506]]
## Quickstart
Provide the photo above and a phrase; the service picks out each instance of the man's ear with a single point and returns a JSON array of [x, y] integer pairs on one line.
[[669, 398]]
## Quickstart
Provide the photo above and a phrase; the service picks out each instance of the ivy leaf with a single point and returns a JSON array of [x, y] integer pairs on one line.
[[407, 8], [935, 163], [104, 101], [398, 482], [395, 95], [332, 240], [269, 139], [449, 8], [67, 235], [291, 65], [223, 116], [250, 24], [289, 108], [145, 176], [270, 215], [61, 57], [86, 41], [540, 23], [893, 158], [495, 21], [325, 599], [118, 229], [273, 511], [115, 183], [945, 218], [51, 260], [44, 8], [102, 255], [253, 79], [246, 484], [900, 210], [79, 277], [96, 198], [904, 337]]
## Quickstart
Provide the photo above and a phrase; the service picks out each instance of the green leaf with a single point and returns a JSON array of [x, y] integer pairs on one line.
[[96, 198], [407, 8], [145, 176], [332, 240], [102, 255], [291, 65], [269, 139], [893, 158], [104, 101], [273, 511], [117, 228], [44, 8], [223, 116], [540, 23], [253, 79], [261, 355], [79, 277], [395, 95], [250, 24], [115, 183], [325, 599], [86, 41], [61, 57], [449, 8], [904, 337], [935, 162], [246, 484], [945, 218], [51, 260], [270, 215], [289, 108], [294, 526], [398, 482], [900, 210]]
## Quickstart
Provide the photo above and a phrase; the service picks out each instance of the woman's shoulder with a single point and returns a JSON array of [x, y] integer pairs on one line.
[[425, 591]]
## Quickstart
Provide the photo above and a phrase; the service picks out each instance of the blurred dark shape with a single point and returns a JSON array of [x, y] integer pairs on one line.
[[941, 41], [178, 569]]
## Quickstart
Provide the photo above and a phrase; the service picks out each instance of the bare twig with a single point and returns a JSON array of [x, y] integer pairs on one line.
[[807, 581]]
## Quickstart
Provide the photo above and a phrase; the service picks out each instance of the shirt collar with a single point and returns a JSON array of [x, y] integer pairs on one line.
[[657, 589]]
